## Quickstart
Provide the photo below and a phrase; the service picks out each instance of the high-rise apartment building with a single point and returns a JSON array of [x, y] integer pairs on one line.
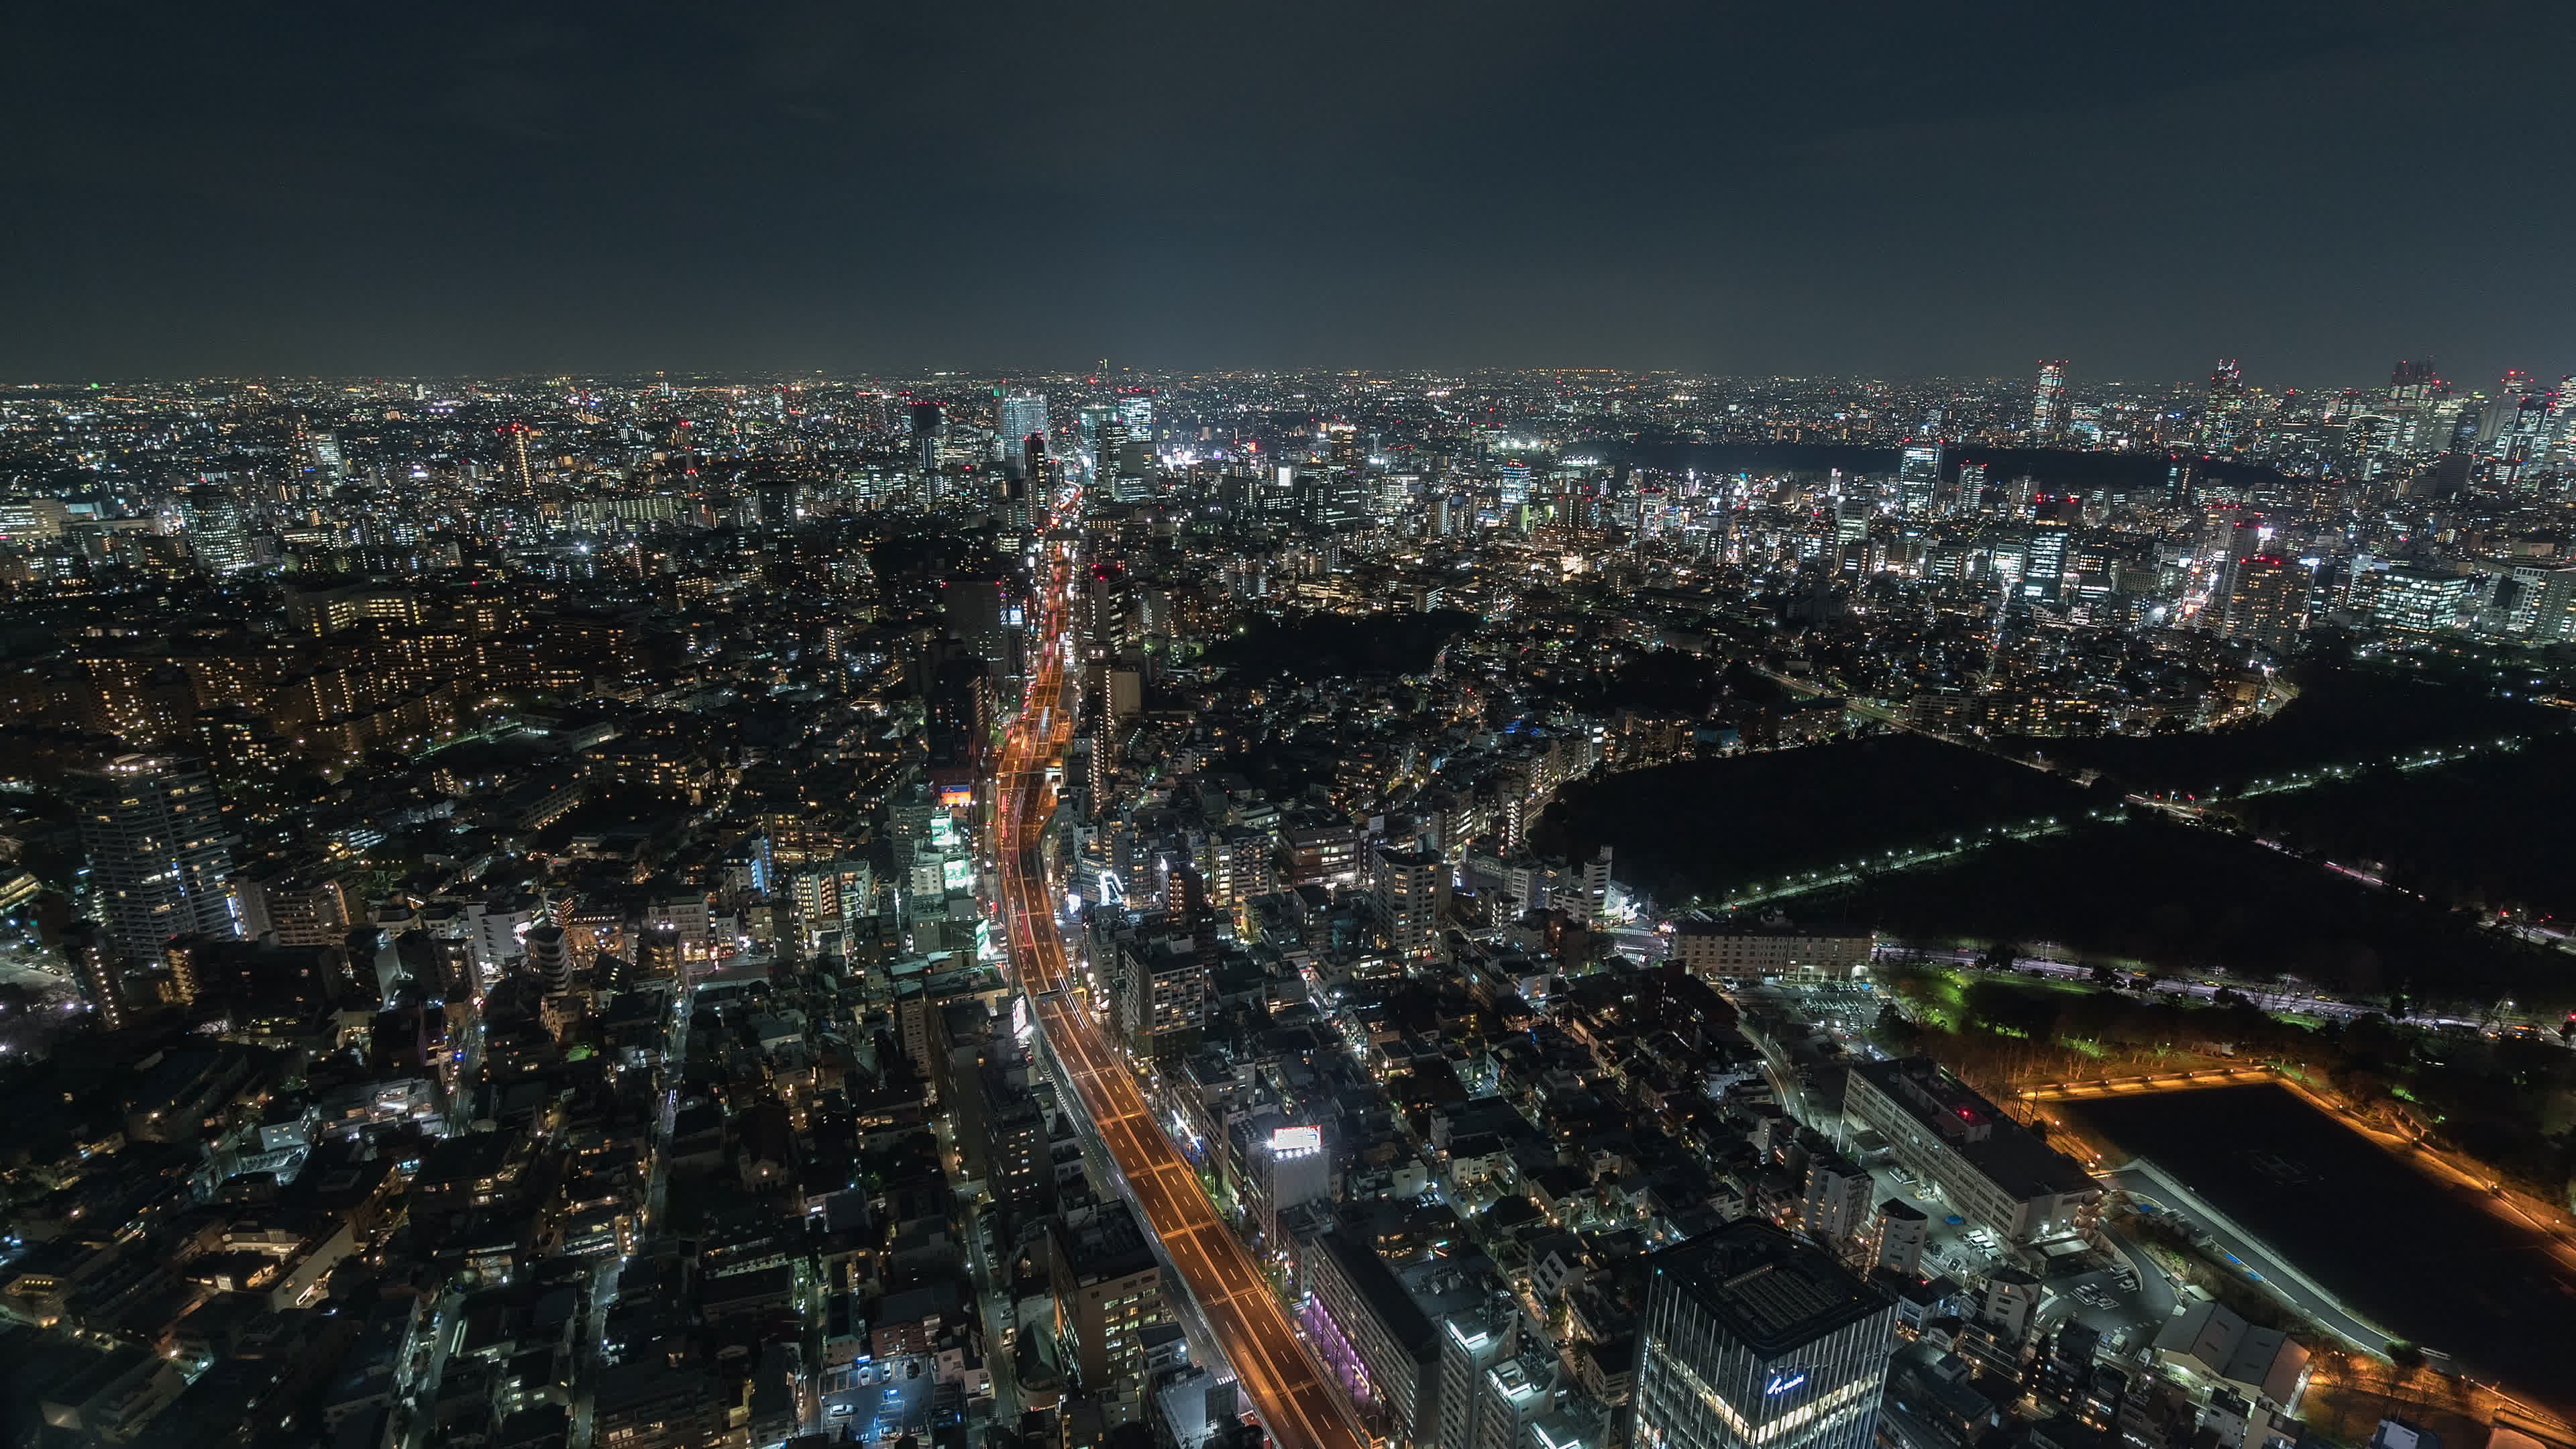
[[514, 458], [159, 857], [1752, 1339], [1107, 1292], [2266, 602], [94, 962], [1409, 890], [1163, 1005]]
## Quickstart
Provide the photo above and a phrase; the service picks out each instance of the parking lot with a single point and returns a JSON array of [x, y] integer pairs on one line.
[[2110, 1302], [869, 1400]]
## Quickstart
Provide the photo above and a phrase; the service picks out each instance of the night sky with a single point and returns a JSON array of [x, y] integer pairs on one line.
[[1890, 188]]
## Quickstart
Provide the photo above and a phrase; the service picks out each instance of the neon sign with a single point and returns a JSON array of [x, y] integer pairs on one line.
[[1782, 1381]]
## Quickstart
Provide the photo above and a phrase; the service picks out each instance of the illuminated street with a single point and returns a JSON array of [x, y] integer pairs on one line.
[[1289, 1393]]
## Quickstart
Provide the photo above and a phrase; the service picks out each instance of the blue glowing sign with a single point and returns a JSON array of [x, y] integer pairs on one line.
[[1782, 1381]]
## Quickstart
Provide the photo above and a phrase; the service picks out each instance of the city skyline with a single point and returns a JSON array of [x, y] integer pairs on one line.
[[747, 864], [1678, 725]]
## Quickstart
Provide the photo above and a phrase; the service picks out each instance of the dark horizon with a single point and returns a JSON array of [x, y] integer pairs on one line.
[[1722, 189]]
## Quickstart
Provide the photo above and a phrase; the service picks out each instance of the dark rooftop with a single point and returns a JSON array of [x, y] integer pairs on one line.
[[1771, 1291]]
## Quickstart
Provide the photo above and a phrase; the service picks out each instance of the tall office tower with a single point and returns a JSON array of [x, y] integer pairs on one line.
[[1018, 416], [1851, 533], [2050, 410], [1123, 466], [1138, 411], [2043, 558], [2522, 434], [1752, 1339], [158, 855], [1409, 890], [2510, 390], [2266, 602], [2412, 380], [1343, 446], [514, 459], [2222, 409], [1511, 481], [1972, 488], [928, 425], [2544, 602], [1918, 479], [218, 535], [1109, 442], [1034, 463]]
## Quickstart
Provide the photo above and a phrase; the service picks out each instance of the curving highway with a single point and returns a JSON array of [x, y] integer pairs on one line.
[[1299, 1406]]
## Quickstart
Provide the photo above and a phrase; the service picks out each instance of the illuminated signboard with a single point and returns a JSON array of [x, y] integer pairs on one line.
[[1020, 1017], [958, 796], [1296, 1141], [1782, 1381]]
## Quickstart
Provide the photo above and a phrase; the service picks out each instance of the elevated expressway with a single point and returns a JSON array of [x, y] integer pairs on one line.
[[1295, 1402]]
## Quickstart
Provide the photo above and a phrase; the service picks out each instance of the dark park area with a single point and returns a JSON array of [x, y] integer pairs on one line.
[[2170, 897], [2515, 850], [1701, 828], [1316, 647], [2342, 717]]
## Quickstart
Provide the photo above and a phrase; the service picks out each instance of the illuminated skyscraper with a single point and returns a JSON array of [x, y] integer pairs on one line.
[[2412, 381], [929, 424], [2266, 602], [2044, 558], [514, 442], [159, 858], [1018, 415], [1918, 479], [1110, 440], [1409, 891], [1972, 487], [1752, 1339], [2223, 407], [1139, 414], [218, 535], [1851, 530], [2049, 408]]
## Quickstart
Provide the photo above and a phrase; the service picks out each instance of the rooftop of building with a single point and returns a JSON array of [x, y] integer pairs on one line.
[[1380, 1289], [2005, 1151], [1771, 1291]]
